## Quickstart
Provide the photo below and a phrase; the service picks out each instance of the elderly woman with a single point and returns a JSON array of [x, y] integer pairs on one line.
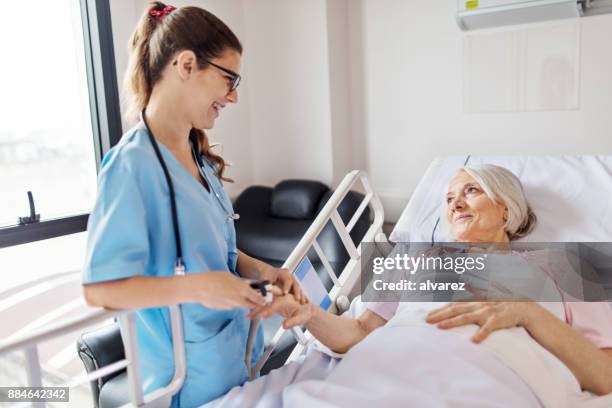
[[487, 205]]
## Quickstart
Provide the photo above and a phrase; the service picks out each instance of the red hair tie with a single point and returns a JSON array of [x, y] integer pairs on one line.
[[159, 14]]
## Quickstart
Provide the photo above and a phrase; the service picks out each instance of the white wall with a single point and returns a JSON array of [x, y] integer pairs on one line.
[[124, 17], [414, 106], [288, 74]]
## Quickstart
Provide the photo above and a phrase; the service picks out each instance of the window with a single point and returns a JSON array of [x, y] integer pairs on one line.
[[61, 113], [46, 140]]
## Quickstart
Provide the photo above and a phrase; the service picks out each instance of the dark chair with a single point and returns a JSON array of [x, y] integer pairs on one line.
[[97, 349], [272, 221]]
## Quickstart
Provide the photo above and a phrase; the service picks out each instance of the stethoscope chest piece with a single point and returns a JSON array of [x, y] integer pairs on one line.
[[230, 215]]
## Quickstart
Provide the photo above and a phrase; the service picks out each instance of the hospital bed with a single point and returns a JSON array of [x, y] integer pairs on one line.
[[570, 195], [580, 213]]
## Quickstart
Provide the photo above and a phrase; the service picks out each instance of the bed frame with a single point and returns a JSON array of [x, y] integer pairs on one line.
[[344, 284]]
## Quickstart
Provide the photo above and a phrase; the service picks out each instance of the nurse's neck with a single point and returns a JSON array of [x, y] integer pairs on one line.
[[168, 126]]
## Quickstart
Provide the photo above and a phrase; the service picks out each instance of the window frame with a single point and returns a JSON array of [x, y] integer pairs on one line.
[[105, 118]]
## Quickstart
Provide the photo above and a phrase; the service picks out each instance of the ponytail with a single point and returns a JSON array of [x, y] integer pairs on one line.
[[137, 81], [161, 32]]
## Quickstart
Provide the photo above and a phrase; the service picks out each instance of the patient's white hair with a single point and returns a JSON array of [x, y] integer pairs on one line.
[[502, 186]]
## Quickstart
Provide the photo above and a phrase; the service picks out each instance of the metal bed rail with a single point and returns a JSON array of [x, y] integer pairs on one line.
[[349, 277], [28, 343]]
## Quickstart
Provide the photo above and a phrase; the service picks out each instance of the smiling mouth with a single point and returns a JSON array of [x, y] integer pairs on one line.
[[217, 107], [461, 217]]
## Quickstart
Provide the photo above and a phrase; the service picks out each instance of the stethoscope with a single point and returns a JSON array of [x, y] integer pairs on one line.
[[179, 266]]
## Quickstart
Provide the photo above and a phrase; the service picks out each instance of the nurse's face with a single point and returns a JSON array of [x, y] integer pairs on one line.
[[212, 90], [471, 214]]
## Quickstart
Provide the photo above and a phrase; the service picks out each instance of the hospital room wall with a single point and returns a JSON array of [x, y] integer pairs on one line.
[[304, 61], [414, 110], [287, 66]]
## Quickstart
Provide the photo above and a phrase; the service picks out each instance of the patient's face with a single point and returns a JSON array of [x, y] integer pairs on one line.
[[471, 214]]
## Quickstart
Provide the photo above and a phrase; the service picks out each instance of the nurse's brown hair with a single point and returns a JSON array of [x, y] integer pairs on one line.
[[161, 33]]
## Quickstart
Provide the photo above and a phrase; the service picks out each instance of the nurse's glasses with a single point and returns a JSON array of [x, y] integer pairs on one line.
[[232, 77]]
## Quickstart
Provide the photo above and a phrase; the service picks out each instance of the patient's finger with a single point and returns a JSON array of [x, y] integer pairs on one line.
[[439, 309], [284, 306], [484, 331], [260, 309], [434, 311], [271, 308], [462, 320], [296, 320], [450, 311]]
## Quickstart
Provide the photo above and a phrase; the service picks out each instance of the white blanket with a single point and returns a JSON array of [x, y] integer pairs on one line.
[[549, 379], [410, 363]]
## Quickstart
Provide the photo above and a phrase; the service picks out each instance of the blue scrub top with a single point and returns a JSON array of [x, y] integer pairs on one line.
[[130, 233]]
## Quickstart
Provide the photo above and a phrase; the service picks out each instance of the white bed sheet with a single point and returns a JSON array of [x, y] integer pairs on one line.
[[434, 370], [409, 363], [571, 196]]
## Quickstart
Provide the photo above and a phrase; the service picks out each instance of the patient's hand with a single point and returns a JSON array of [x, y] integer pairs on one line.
[[490, 316], [294, 312]]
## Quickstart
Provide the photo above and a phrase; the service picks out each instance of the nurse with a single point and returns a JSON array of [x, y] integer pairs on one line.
[[162, 229]]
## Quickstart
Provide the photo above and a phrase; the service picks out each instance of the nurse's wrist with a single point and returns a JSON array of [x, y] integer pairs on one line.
[[187, 288]]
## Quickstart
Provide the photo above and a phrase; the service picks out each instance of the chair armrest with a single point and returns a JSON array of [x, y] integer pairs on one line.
[[99, 348]]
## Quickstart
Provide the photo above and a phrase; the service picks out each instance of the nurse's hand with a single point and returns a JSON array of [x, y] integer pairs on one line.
[[224, 290], [286, 281], [295, 313]]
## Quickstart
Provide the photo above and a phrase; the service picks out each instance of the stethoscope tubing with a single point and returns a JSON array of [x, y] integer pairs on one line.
[[179, 267]]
